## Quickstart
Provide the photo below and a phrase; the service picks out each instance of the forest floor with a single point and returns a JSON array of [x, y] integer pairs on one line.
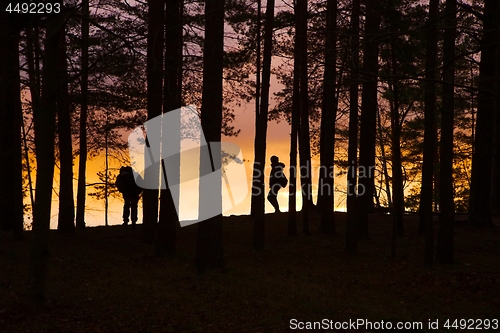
[[104, 279]]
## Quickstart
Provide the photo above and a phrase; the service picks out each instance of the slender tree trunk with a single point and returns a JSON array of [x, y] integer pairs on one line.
[[255, 193], [495, 179], [66, 218], [479, 204], [154, 77], [44, 143], [436, 183], [397, 177], [168, 220], [84, 86], [385, 171], [31, 40], [27, 161], [352, 153], [106, 169], [31, 45], [209, 246], [397, 174], [17, 159], [11, 183], [426, 192], [445, 246], [328, 116], [292, 186], [304, 139], [369, 109], [261, 131]]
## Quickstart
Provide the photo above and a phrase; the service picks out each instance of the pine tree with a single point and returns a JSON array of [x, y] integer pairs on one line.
[[425, 221], [479, 205], [328, 116], [445, 246], [154, 97], [44, 141], [369, 106], [209, 246]]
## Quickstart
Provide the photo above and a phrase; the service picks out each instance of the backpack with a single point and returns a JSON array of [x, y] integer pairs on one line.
[[125, 182]]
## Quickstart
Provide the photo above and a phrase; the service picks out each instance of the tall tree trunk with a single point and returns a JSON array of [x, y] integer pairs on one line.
[[352, 150], [209, 246], [168, 220], [304, 139], [154, 77], [445, 246], [84, 86], [66, 218], [106, 170], [426, 192], [328, 116], [261, 131], [255, 193], [33, 75], [479, 204], [292, 186], [11, 179], [397, 174], [44, 143], [495, 177], [369, 109]]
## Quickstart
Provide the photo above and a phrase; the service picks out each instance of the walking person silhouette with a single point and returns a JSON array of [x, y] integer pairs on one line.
[[277, 180]]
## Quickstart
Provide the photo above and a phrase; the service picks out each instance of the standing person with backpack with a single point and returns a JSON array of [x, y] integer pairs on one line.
[[277, 180], [126, 184]]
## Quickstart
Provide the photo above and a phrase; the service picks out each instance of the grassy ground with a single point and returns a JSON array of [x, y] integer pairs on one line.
[[105, 280]]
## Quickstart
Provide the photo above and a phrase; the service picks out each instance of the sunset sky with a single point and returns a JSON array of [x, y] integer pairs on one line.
[[278, 144]]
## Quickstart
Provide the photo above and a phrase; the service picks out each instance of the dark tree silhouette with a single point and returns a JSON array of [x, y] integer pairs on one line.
[[426, 192], [480, 192], [397, 174], [301, 15], [44, 142], [209, 246], [445, 247], [368, 116], [11, 196], [295, 124], [168, 219], [328, 116], [255, 193], [154, 71], [33, 64], [495, 177], [84, 87], [66, 218], [261, 132], [352, 153]]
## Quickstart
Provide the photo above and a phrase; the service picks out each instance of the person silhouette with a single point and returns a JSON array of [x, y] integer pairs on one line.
[[277, 180], [127, 186]]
